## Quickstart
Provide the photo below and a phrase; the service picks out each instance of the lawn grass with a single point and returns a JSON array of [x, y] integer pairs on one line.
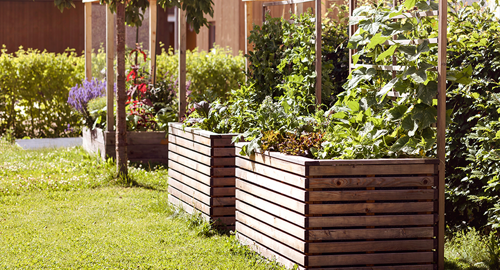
[[62, 209]]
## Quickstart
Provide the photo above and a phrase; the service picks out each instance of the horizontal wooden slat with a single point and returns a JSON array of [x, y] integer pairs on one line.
[[287, 163], [357, 208], [203, 149], [203, 187], [373, 169], [223, 191], [271, 220], [223, 201], [404, 15], [281, 3], [266, 252], [223, 211], [281, 188], [363, 182], [202, 197], [282, 249], [270, 231], [189, 200], [201, 132], [371, 246], [190, 163], [188, 208], [378, 233], [373, 220], [271, 196], [387, 68], [199, 157], [172, 165], [374, 258], [190, 136], [376, 195], [411, 41], [277, 174], [271, 208], [386, 267]]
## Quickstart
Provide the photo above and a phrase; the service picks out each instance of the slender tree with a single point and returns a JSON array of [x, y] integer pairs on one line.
[[129, 12]]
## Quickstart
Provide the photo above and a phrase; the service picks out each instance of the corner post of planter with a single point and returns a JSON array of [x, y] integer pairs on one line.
[[318, 52], [182, 62], [88, 39], [110, 74], [441, 125], [352, 30], [248, 28], [152, 38]]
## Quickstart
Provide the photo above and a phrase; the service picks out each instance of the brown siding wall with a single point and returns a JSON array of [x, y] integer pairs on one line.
[[41, 25]]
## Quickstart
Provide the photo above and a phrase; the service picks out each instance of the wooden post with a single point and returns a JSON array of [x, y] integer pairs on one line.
[[182, 63], [441, 124], [299, 8], [249, 27], [88, 41], [352, 30], [152, 38], [318, 52], [110, 73], [121, 94]]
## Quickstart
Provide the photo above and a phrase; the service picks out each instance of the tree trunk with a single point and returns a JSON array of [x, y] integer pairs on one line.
[[121, 96]]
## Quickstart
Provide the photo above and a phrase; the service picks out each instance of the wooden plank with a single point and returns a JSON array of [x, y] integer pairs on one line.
[[266, 252], [373, 258], [278, 187], [203, 178], [190, 163], [376, 195], [145, 137], [207, 160], [277, 160], [318, 67], [147, 151], [271, 231], [110, 73], [372, 169], [223, 211], [182, 62], [189, 200], [441, 124], [404, 15], [203, 149], [204, 198], [271, 196], [88, 41], [261, 169], [223, 181], [270, 243], [223, 201], [358, 208], [363, 182], [386, 267], [152, 38], [271, 220], [271, 208], [220, 172], [190, 136], [378, 233], [411, 41], [387, 68], [377, 220], [223, 191], [371, 246], [186, 207], [201, 132]]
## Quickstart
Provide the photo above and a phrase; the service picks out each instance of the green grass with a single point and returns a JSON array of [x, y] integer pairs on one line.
[[61, 208]]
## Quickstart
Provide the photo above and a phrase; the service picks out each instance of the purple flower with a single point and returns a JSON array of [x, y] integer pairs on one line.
[[80, 95]]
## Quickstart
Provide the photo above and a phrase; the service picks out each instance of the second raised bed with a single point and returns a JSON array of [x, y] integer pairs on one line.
[[201, 171], [338, 214]]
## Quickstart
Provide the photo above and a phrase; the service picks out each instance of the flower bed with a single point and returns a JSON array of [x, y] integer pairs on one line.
[[372, 214], [201, 172], [151, 146]]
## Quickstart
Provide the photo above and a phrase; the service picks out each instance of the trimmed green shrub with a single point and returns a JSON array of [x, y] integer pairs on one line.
[[212, 74], [34, 89]]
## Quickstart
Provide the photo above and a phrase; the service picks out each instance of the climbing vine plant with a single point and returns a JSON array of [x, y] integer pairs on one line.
[[403, 122]]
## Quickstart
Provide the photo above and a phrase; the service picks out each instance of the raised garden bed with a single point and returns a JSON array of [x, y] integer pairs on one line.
[[338, 214], [201, 171], [142, 146]]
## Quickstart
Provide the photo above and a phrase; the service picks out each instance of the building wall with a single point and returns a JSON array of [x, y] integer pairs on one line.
[[40, 25]]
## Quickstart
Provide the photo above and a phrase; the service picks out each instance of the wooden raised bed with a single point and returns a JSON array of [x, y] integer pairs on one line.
[[338, 214], [201, 170], [142, 146]]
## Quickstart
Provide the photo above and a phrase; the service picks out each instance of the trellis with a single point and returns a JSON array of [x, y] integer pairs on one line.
[[298, 10], [441, 41]]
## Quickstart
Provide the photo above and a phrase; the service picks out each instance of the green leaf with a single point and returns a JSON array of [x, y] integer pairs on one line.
[[377, 40], [388, 52], [397, 112], [408, 123], [409, 4], [387, 87], [353, 105], [400, 143], [420, 76], [424, 114], [427, 92]]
